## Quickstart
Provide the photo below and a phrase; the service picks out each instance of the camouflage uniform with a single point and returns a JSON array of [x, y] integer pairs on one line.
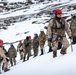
[[35, 45], [21, 50], [49, 43], [56, 31], [26, 45], [30, 45], [73, 29], [4, 61], [12, 55], [42, 39], [6, 54]]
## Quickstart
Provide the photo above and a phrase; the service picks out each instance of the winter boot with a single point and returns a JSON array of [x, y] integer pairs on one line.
[[6, 69], [41, 52], [63, 51], [24, 59], [50, 49], [54, 54]]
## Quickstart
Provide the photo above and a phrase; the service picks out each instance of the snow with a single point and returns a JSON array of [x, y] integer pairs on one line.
[[40, 65]]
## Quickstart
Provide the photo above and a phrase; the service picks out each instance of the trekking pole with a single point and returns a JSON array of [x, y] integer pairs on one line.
[[71, 45]]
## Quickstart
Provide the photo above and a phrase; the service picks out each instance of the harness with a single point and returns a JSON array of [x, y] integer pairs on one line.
[[62, 24], [59, 30]]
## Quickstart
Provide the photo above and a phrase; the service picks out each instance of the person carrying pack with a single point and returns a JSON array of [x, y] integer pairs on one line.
[[56, 32], [2, 54], [73, 28]]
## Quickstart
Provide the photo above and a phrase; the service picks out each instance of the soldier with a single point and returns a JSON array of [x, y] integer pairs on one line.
[[12, 54], [20, 49], [73, 28], [35, 44], [42, 39], [56, 32], [6, 53], [2, 54], [30, 46], [26, 45], [49, 43]]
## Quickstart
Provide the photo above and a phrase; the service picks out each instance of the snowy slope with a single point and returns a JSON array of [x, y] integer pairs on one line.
[[46, 65], [41, 65]]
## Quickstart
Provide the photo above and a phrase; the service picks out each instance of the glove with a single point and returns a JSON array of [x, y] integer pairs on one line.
[[49, 39], [70, 37]]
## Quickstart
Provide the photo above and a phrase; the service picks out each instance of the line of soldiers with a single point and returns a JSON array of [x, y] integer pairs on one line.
[[55, 35], [28, 44]]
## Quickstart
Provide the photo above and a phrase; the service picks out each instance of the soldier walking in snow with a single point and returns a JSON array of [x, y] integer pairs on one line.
[[30, 45], [26, 45], [2, 54], [35, 44], [56, 32], [49, 43], [42, 39], [73, 28], [12, 54], [20, 49]]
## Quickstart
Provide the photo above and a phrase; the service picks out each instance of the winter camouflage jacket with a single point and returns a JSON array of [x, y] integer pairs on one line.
[[73, 27], [55, 28], [42, 39], [2, 54], [35, 42], [12, 52]]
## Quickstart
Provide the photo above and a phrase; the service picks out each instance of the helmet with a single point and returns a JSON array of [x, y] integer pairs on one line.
[[20, 41], [29, 36], [57, 11], [1, 41]]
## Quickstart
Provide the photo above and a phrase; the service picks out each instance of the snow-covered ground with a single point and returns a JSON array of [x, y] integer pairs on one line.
[[41, 65]]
